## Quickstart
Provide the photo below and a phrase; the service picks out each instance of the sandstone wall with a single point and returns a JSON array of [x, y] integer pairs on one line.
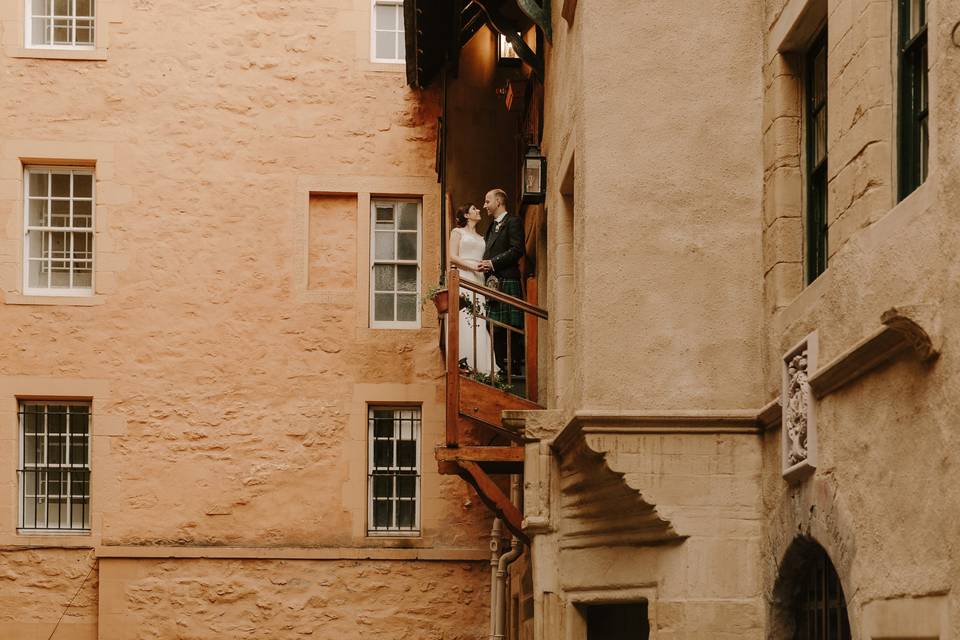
[[882, 502], [227, 349], [214, 599], [669, 287]]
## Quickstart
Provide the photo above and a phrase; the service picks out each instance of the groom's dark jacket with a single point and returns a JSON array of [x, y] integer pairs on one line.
[[505, 247]]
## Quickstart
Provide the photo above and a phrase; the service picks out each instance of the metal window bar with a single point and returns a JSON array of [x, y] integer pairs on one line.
[[54, 472], [821, 607], [393, 479]]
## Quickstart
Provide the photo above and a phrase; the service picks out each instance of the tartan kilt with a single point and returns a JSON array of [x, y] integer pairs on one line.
[[505, 313]]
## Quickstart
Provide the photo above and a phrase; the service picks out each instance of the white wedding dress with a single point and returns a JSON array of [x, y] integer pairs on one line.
[[475, 344]]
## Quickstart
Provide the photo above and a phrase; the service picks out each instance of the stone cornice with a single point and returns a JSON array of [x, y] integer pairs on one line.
[[914, 329]]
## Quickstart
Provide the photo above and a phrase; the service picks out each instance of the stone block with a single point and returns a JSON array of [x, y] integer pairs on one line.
[[783, 193], [783, 242], [782, 284]]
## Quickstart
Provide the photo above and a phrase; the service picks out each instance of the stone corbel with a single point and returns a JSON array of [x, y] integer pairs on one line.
[[906, 329]]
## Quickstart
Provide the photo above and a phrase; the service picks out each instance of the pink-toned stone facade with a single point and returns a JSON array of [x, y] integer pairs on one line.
[[227, 349]]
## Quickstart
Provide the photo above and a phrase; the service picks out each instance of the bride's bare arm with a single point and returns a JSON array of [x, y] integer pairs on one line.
[[454, 252]]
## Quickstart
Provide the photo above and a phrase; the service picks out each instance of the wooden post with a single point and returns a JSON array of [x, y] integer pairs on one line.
[[453, 357], [530, 324]]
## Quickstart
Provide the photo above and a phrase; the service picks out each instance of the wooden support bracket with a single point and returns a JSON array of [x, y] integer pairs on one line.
[[494, 498]]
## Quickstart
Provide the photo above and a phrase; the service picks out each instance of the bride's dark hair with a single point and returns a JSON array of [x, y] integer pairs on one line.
[[460, 217]]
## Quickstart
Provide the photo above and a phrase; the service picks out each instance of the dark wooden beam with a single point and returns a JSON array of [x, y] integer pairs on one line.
[[491, 495], [507, 28]]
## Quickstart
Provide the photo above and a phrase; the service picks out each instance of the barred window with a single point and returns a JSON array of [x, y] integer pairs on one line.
[[60, 24], [54, 466], [394, 470], [395, 278], [821, 607], [388, 44], [58, 247]]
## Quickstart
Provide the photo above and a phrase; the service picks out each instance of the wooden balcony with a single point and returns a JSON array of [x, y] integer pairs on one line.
[[478, 445]]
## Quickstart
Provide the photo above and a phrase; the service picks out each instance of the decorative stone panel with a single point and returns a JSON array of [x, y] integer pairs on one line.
[[798, 430]]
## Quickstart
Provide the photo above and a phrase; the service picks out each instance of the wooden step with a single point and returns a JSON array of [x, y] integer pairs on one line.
[[486, 404]]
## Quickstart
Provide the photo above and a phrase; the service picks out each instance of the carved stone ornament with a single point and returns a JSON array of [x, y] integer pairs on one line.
[[798, 397], [798, 430]]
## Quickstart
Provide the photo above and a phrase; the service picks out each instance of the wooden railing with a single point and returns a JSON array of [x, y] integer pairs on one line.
[[500, 326]]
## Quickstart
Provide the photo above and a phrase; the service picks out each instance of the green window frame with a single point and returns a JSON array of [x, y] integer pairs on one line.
[[913, 144], [815, 121]]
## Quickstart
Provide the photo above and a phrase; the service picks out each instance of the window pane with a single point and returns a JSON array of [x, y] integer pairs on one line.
[[382, 486], [382, 513], [386, 17], [382, 453], [61, 7], [56, 448], [61, 185], [405, 514], [383, 277], [407, 453], [408, 216], [59, 213], [407, 278], [40, 7], [83, 186], [39, 31], [386, 45], [31, 448], [82, 276], [82, 213], [407, 246], [38, 213], [407, 308], [383, 306], [38, 184], [384, 217], [383, 423], [56, 419], [61, 32], [84, 7], [384, 249], [406, 486], [82, 245], [84, 32]]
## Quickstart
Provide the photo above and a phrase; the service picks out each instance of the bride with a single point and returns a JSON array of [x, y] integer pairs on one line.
[[466, 252]]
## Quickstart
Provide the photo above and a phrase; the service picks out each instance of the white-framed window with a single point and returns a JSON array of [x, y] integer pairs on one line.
[[54, 466], [60, 24], [387, 42], [58, 224], [395, 268], [393, 482]]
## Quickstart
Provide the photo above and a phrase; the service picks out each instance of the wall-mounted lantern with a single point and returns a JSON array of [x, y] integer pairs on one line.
[[534, 175], [506, 54]]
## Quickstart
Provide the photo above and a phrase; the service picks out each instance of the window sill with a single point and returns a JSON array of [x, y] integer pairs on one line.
[[65, 301], [398, 66], [46, 533], [57, 54]]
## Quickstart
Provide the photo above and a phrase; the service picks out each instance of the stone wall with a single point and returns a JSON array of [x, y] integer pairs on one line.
[[223, 599], [881, 502], [227, 349]]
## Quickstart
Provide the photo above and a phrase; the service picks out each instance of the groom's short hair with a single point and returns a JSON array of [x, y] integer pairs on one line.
[[500, 195]]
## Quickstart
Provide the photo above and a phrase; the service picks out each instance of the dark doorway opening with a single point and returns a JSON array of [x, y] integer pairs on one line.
[[624, 621]]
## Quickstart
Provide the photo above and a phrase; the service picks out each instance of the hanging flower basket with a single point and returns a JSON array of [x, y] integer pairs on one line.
[[441, 299]]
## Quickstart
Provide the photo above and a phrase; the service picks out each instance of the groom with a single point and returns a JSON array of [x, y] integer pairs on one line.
[[501, 258]]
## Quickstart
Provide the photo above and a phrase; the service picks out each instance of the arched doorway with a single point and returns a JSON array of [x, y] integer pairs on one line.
[[809, 601]]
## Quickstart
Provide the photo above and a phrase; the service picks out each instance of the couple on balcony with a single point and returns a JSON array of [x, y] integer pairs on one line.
[[493, 260]]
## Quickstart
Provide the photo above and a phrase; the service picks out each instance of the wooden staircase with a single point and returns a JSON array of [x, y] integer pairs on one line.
[[478, 445]]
